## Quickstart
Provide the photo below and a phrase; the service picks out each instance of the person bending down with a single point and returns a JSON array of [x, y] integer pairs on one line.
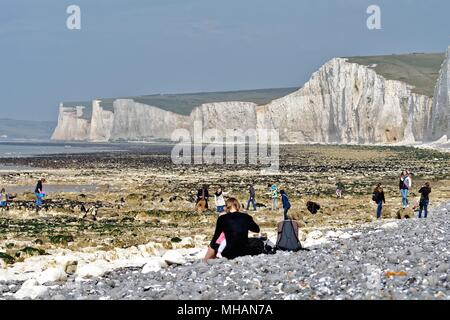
[[235, 227]]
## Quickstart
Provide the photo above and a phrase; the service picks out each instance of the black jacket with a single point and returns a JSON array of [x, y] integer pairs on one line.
[[38, 187], [379, 196], [236, 227], [425, 193]]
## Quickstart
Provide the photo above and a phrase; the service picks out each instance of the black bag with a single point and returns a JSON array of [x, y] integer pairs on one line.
[[375, 197], [313, 207], [257, 246], [288, 236]]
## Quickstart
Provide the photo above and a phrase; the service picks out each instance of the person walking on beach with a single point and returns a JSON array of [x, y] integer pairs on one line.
[[379, 199], [220, 201], [404, 186], [339, 189], [274, 196], [251, 197], [424, 200], [39, 192], [3, 199], [286, 203]]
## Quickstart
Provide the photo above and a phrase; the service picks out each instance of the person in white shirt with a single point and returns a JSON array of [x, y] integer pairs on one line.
[[220, 201]]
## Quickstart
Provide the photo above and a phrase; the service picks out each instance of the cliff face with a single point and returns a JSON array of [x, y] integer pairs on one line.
[[226, 115], [71, 124], [101, 123], [137, 121], [348, 103], [343, 102], [440, 113]]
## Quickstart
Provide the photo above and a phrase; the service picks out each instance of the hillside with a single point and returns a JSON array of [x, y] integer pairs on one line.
[[418, 69], [22, 129]]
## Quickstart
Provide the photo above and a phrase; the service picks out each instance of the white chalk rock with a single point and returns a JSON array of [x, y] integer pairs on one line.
[[173, 257], [91, 270], [52, 275], [315, 235], [345, 236], [154, 264], [390, 225], [333, 234], [30, 289]]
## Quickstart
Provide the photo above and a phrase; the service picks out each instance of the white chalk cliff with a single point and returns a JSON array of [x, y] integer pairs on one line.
[[348, 103], [440, 112], [137, 121], [71, 124], [343, 102]]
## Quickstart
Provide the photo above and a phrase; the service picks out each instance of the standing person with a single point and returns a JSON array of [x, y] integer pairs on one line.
[[339, 189], [274, 196], [286, 203], [251, 197], [235, 226], [424, 199], [404, 185], [378, 197], [203, 194], [3, 198], [220, 201], [39, 192]]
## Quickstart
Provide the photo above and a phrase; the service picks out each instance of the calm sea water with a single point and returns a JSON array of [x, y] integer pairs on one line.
[[26, 149]]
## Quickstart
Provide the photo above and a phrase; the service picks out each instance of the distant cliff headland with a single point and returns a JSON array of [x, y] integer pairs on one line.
[[379, 99]]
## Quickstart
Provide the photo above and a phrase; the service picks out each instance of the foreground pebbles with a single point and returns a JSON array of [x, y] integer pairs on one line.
[[407, 259]]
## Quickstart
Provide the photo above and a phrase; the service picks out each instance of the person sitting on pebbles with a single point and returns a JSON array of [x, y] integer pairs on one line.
[[235, 227]]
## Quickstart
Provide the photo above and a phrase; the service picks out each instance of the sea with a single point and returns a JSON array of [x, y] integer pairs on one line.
[[28, 149]]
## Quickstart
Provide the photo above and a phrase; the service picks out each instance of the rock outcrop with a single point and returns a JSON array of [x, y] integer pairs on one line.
[[440, 112], [71, 124], [343, 102]]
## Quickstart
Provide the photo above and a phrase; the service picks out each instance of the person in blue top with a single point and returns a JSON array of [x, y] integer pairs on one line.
[[39, 192], [273, 192], [286, 203], [3, 198]]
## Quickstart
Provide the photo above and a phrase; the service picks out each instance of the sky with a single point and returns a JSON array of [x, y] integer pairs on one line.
[[137, 47]]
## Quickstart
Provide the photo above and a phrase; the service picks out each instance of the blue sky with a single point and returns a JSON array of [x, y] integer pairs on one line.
[[134, 47]]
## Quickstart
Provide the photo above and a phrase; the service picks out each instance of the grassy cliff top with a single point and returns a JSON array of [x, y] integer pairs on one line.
[[185, 103], [420, 70]]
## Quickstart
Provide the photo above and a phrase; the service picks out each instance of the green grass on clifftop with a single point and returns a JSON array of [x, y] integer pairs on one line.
[[418, 69]]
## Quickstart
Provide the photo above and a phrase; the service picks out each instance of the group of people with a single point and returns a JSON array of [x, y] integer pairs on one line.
[[405, 186], [230, 238], [38, 191], [275, 193]]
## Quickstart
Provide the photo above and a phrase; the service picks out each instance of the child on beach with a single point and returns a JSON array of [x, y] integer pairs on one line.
[[3, 198], [221, 241]]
